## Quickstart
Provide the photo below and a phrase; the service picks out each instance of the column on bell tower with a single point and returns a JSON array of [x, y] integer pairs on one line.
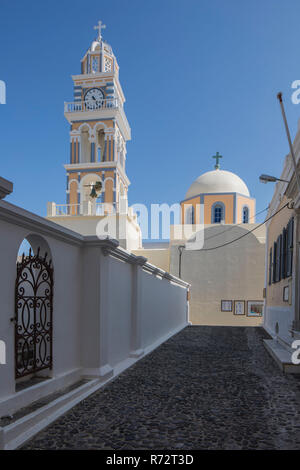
[[109, 145]]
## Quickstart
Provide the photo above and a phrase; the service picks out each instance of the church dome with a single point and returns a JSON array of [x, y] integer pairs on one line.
[[217, 181]]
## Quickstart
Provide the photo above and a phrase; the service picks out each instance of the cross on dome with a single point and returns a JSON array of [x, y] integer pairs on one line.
[[99, 28], [217, 157]]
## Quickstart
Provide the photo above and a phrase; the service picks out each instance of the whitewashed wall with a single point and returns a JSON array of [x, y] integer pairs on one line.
[[279, 320], [107, 310], [164, 311], [120, 305], [16, 225]]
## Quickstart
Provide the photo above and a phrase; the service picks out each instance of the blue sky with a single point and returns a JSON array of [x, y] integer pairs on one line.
[[199, 76]]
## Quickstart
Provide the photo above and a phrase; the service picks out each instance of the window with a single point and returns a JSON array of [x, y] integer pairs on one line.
[[218, 214], [274, 262], [281, 255], [189, 215], [107, 64], [270, 266], [278, 258], [289, 248], [245, 215]]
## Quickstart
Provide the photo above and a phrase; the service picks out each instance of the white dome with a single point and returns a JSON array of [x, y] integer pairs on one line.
[[217, 181]]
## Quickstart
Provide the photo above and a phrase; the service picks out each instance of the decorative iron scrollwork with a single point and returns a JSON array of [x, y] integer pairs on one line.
[[33, 314]]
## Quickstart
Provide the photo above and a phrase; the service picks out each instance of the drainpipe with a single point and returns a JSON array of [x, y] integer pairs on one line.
[[180, 249], [266, 273]]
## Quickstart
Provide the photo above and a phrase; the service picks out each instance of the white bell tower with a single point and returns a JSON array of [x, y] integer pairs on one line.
[[97, 184]]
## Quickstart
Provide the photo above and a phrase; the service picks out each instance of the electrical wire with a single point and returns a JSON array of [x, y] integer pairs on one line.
[[236, 225], [244, 234]]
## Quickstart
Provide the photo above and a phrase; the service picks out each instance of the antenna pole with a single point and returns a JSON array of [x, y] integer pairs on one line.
[[279, 96]]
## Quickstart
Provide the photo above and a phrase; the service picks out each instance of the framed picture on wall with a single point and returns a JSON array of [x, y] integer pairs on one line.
[[286, 293], [255, 308], [239, 307], [226, 305]]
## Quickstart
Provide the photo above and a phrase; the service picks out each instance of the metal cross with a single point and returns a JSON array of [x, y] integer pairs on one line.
[[217, 157], [99, 27]]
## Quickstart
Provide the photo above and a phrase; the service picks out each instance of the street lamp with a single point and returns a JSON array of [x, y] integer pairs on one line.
[[270, 179]]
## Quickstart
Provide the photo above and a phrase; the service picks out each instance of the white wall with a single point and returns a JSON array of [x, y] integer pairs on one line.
[[281, 316], [107, 310], [235, 271], [119, 330], [161, 312], [15, 225]]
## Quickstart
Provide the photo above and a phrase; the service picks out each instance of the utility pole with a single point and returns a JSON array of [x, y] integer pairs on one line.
[[279, 96]]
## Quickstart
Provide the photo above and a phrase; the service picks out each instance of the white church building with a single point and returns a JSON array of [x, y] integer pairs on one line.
[[227, 270]]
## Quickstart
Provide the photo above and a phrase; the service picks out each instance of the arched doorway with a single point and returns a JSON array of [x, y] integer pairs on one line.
[[33, 308]]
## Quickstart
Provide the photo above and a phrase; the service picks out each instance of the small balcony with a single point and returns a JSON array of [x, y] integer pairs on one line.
[[83, 209], [89, 208], [79, 106]]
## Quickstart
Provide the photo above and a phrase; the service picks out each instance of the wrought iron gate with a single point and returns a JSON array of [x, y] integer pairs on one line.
[[33, 314]]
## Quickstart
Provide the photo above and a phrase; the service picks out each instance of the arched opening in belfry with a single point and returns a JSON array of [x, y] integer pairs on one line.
[[85, 156], [100, 145], [87, 183]]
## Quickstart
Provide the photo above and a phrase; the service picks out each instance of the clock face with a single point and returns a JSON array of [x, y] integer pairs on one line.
[[93, 98]]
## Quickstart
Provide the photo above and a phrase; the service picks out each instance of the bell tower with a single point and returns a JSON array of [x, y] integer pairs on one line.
[[98, 135], [97, 184]]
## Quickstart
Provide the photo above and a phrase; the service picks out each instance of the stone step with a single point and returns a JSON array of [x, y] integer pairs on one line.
[[21, 430], [282, 356], [286, 342]]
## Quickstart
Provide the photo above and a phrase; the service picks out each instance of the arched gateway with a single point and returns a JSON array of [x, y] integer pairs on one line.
[[33, 314]]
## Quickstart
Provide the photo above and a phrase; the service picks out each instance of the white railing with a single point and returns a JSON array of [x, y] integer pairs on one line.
[[83, 209], [76, 106]]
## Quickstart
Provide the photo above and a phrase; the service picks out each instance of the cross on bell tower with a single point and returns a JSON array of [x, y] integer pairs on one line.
[[99, 28], [217, 157]]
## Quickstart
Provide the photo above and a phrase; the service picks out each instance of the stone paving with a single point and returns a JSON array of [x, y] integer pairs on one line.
[[205, 388]]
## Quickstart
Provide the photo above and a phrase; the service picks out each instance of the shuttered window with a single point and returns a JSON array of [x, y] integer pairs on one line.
[[274, 262], [289, 254], [281, 254], [278, 258], [270, 266]]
